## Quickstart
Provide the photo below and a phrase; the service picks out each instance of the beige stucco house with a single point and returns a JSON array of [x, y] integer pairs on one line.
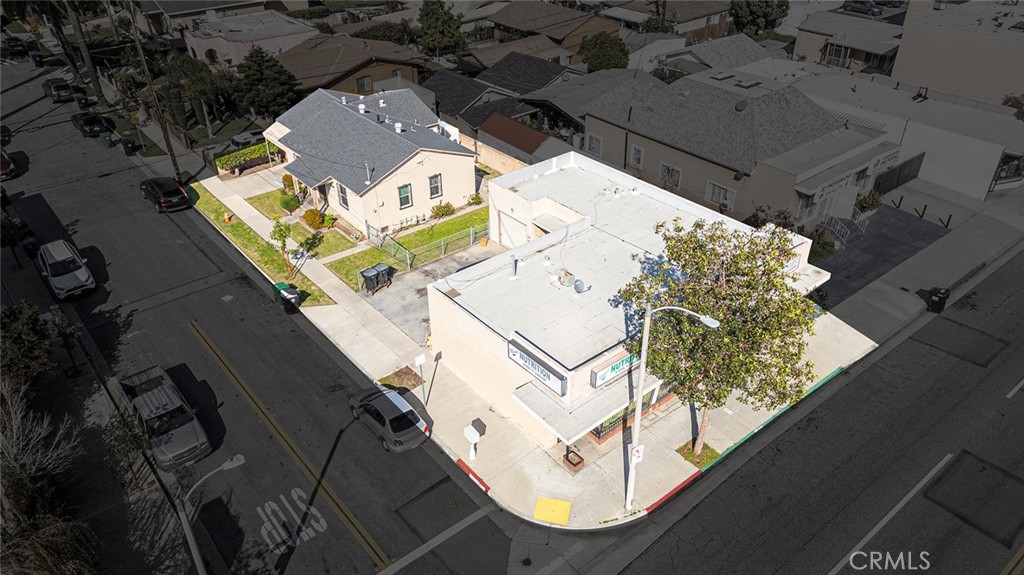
[[845, 41], [227, 40], [379, 163], [535, 330]]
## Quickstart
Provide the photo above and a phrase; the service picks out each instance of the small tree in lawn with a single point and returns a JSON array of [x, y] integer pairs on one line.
[[603, 51], [266, 87], [279, 233], [440, 29], [24, 344], [11, 230], [740, 279], [68, 332], [307, 249], [755, 17]]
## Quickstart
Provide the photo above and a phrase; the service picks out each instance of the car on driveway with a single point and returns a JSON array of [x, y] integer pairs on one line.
[[889, 3], [90, 124], [58, 90], [165, 193], [863, 6], [8, 169], [246, 139], [64, 269], [390, 418]]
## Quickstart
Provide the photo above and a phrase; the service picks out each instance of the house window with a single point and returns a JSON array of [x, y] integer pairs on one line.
[[435, 186], [807, 209], [594, 145], [404, 196], [720, 195], [364, 84], [636, 156], [670, 176], [342, 196], [396, 73]]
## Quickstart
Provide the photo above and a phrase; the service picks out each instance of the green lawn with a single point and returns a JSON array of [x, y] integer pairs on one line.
[[347, 269], [334, 241], [707, 454], [444, 228], [268, 204], [266, 256], [149, 147]]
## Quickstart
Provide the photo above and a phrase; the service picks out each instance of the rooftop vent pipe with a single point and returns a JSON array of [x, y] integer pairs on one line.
[[398, 127], [362, 108]]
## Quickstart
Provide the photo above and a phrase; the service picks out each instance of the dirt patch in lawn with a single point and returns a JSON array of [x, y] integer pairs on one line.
[[707, 455], [404, 378]]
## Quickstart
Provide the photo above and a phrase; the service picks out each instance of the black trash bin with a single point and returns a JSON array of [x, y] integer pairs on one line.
[[937, 299], [37, 59], [369, 279], [129, 146], [384, 274]]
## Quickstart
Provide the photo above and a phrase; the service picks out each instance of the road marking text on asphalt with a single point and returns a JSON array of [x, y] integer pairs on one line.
[[277, 531], [906, 499], [437, 540], [362, 536], [1015, 390]]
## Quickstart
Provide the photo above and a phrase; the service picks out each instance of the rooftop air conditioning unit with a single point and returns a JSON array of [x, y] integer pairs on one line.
[[565, 278]]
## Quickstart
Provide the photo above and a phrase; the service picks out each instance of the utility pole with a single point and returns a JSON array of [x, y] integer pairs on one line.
[[152, 93], [94, 78]]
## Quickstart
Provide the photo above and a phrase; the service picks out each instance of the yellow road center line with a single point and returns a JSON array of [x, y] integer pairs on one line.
[[348, 518]]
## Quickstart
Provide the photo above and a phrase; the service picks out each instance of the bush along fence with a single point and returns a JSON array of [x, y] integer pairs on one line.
[[241, 160]]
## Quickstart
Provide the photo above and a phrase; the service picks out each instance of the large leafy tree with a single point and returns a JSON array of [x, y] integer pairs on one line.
[[755, 17], [51, 12], [603, 51], [26, 344], [440, 29], [265, 86], [740, 279], [401, 33]]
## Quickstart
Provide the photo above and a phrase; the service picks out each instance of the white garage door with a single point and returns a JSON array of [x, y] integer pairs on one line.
[[511, 232]]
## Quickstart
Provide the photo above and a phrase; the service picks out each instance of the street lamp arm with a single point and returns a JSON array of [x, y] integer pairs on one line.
[[197, 483], [706, 320]]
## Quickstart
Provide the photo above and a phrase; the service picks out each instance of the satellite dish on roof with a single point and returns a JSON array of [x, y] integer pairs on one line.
[[741, 105], [580, 287]]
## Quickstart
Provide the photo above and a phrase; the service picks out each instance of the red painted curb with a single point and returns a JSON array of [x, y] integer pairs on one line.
[[675, 490], [472, 475]]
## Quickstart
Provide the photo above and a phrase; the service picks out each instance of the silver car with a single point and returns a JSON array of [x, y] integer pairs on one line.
[[390, 418], [170, 425], [64, 269]]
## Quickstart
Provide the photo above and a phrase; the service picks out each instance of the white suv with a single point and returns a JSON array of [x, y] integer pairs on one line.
[[64, 269]]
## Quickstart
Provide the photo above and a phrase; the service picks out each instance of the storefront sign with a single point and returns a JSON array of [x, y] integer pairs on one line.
[[537, 368], [599, 377], [885, 161], [832, 187]]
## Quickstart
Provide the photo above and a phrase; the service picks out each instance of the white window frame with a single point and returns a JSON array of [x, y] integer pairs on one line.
[[409, 205], [343, 196], [591, 139], [805, 213], [633, 161], [665, 181], [440, 188], [718, 194]]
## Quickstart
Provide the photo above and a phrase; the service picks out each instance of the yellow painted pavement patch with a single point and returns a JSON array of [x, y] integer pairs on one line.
[[552, 511]]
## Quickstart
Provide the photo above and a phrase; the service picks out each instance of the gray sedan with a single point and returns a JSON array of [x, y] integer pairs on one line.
[[390, 418]]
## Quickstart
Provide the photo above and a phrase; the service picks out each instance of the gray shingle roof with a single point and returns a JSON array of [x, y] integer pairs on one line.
[[176, 7], [553, 21], [703, 120], [475, 116], [453, 92], [521, 73], [729, 52], [333, 139], [575, 93]]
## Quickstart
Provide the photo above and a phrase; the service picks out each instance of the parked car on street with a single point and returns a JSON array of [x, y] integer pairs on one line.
[[58, 90], [8, 169], [889, 3], [5, 135], [246, 139], [64, 269], [15, 47], [90, 124], [390, 418], [175, 435], [165, 193], [863, 6]]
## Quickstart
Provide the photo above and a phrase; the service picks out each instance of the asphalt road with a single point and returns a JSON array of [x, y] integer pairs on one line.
[[919, 458], [267, 385]]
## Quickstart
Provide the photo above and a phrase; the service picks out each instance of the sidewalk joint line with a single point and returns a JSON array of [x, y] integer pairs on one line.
[[1015, 390], [437, 540]]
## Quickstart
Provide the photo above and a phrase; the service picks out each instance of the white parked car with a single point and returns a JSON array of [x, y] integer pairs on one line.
[[390, 418], [64, 269]]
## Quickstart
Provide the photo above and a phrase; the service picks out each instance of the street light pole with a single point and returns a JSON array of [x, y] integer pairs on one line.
[[182, 513], [635, 448]]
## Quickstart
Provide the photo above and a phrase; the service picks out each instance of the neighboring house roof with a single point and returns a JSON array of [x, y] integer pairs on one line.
[[539, 46], [323, 59], [552, 20], [573, 95], [471, 14], [625, 15], [332, 139], [728, 52], [715, 124], [520, 73], [677, 11], [391, 84], [454, 92], [477, 115], [514, 133], [179, 7], [636, 40], [654, 54], [859, 33], [251, 27], [410, 15]]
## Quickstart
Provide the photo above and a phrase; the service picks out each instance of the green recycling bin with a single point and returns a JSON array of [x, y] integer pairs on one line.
[[108, 141], [278, 288]]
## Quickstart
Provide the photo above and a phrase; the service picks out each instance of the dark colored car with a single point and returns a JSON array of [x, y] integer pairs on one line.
[[15, 47], [889, 3], [90, 124], [8, 169], [246, 139], [5, 135], [863, 6], [58, 90], [165, 193]]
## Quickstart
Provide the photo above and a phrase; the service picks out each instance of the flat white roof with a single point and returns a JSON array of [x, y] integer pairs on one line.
[[604, 250], [821, 151]]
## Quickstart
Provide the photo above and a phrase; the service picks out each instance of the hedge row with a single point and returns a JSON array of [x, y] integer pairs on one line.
[[228, 161]]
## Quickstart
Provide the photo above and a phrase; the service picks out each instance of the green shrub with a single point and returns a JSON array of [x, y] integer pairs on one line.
[[289, 184], [289, 203], [315, 12], [869, 201], [442, 210], [228, 161], [313, 219], [329, 220], [475, 200]]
